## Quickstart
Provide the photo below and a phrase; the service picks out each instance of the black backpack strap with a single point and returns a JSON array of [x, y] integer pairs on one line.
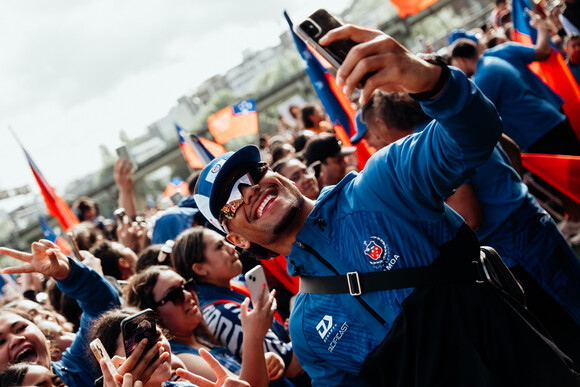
[[359, 283], [488, 267]]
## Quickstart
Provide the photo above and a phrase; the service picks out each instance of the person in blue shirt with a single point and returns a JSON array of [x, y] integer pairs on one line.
[[510, 221], [531, 111], [452, 328]]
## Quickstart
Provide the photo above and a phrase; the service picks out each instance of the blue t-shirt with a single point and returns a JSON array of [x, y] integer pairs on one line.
[[528, 107]]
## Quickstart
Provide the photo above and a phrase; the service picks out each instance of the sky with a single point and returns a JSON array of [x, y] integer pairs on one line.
[[73, 73]]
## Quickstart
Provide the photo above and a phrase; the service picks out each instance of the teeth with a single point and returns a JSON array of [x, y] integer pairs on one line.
[[264, 203], [24, 355]]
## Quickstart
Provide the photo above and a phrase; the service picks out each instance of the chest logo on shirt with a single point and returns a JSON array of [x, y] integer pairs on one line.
[[324, 326], [376, 249]]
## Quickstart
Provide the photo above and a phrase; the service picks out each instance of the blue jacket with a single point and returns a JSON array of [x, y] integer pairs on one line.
[[94, 295], [389, 216]]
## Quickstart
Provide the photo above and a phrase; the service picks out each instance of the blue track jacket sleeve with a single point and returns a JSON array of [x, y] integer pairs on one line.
[[94, 295], [421, 170]]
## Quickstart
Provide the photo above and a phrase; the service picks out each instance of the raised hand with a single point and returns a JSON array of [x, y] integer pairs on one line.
[[397, 69], [256, 322], [275, 365], [109, 380], [223, 380], [140, 367], [132, 234], [123, 174], [45, 258]]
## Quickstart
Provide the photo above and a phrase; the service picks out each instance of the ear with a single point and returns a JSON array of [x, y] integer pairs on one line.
[[122, 263], [199, 269], [238, 240], [380, 124]]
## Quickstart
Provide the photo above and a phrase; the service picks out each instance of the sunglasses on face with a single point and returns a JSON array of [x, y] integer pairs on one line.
[[177, 295], [247, 177]]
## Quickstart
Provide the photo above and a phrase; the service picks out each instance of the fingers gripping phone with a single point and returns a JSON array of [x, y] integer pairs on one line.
[[101, 353], [123, 153], [138, 327], [315, 27], [254, 279], [74, 246]]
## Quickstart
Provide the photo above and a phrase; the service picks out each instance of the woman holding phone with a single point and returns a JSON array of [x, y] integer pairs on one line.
[[175, 301], [212, 262]]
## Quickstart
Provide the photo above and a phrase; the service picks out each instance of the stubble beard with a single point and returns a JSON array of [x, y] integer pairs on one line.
[[290, 216]]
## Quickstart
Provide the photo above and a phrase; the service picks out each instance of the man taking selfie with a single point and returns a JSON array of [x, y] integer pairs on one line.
[[426, 314]]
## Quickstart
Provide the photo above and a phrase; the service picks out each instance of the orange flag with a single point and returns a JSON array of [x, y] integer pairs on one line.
[[560, 171], [197, 151], [411, 7], [234, 121], [56, 206]]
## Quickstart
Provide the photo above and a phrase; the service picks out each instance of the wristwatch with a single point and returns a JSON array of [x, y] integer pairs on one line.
[[441, 82]]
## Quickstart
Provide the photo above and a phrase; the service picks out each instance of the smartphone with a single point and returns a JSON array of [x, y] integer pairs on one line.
[[315, 27], [74, 246], [101, 353], [176, 198], [119, 214], [137, 327], [123, 153], [254, 279]]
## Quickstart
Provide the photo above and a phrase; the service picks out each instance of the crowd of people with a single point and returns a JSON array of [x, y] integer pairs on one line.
[[395, 287]]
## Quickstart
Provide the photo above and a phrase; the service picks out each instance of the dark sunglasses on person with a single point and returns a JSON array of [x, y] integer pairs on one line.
[[246, 176], [177, 295]]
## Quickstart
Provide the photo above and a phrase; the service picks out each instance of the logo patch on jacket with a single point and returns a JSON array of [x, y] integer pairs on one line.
[[324, 326], [376, 249], [373, 250]]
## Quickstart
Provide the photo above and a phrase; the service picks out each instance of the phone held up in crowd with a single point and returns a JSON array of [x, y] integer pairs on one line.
[[315, 27]]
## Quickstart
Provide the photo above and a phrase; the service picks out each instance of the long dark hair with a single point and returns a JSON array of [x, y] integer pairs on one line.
[[107, 327], [188, 249], [139, 294]]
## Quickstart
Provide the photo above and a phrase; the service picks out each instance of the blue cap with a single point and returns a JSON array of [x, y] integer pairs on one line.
[[461, 33], [361, 128], [213, 177], [171, 222]]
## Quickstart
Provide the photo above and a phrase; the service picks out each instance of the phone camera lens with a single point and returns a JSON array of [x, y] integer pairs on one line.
[[310, 28]]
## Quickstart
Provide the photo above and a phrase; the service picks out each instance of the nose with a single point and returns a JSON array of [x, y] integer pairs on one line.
[[249, 192], [15, 340]]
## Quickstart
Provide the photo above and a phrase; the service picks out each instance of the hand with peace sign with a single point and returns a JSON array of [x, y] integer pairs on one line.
[[45, 258], [223, 379]]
